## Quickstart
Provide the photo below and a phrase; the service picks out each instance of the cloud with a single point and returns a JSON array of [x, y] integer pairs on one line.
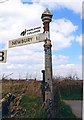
[[14, 18], [60, 41], [62, 33], [80, 57], [74, 5], [31, 63], [25, 56], [59, 59], [67, 69], [60, 67], [83, 9], [79, 39], [82, 37], [63, 26], [22, 69], [17, 17]]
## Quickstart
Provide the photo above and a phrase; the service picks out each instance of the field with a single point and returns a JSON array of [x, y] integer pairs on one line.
[[17, 87], [71, 89], [65, 90], [26, 97]]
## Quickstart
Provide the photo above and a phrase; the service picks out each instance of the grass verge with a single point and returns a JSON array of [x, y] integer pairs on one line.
[[61, 110], [73, 96], [65, 111], [32, 104]]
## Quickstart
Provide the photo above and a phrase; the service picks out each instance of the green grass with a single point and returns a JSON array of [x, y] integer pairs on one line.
[[61, 109], [65, 111], [32, 104], [71, 92], [72, 96]]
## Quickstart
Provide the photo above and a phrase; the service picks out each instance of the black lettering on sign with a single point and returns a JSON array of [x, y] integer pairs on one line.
[[14, 42], [1, 56]]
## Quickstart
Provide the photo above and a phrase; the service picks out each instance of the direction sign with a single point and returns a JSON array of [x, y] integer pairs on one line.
[[27, 40], [31, 31], [3, 56]]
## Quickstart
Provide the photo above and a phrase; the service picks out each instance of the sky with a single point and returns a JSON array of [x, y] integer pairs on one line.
[[65, 34]]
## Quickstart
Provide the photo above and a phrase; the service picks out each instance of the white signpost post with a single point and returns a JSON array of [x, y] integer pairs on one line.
[[3, 56], [27, 40]]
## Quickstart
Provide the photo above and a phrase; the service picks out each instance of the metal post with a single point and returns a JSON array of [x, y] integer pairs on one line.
[[46, 18], [43, 85]]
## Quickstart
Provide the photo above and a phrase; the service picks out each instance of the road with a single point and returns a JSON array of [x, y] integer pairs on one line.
[[76, 106]]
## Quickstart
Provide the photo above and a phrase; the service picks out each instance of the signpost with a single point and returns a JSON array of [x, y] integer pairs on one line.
[[27, 40], [46, 18], [3, 56]]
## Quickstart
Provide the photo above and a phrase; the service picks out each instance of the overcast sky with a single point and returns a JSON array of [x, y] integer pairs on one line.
[[65, 35]]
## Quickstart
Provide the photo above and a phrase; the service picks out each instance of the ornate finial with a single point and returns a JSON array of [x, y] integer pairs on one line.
[[46, 15], [47, 12]]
